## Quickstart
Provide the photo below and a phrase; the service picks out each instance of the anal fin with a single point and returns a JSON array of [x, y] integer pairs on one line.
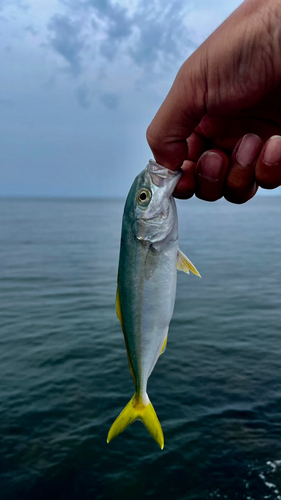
[[164, 346]]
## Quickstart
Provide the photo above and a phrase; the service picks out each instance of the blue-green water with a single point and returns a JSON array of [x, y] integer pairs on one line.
[[64, 375]]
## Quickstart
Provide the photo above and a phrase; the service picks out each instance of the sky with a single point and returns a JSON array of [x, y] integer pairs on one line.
[[80, 82]]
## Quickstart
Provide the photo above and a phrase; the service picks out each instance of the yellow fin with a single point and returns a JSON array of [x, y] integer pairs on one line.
[[185, 265], [138, 409], [164, 346], [119, 316], [118, 306]]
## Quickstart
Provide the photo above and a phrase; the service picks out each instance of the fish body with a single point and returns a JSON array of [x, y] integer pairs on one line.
[[146, 288]]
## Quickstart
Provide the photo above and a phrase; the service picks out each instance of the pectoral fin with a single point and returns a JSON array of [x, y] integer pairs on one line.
[[185, 265]]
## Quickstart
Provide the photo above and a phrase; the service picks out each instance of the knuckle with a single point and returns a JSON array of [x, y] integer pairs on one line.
[[152, 137]]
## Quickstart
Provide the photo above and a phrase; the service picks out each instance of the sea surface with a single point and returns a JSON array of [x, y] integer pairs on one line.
[[64, 375]]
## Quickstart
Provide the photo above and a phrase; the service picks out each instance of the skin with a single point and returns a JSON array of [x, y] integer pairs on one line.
[[221, 121]]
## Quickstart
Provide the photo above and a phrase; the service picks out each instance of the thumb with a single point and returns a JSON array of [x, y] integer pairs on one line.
[[180, 113]]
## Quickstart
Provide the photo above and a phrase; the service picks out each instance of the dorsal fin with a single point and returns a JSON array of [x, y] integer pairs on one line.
[[185, 265]]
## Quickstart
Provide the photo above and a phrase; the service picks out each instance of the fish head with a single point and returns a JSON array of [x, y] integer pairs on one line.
[[150, 204]]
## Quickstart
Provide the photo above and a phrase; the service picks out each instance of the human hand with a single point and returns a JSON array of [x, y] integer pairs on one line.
[[221, 121]]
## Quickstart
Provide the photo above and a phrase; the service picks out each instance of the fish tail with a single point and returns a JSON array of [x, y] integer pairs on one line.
[[139, 408]]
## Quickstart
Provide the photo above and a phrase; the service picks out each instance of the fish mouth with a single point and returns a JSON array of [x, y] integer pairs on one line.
[[161, 171], [162, 176]]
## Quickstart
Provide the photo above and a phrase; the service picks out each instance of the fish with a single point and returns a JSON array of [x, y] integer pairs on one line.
[[146, 285]]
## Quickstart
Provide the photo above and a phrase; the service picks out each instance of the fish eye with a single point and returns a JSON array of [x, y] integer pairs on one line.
[[144, 196]]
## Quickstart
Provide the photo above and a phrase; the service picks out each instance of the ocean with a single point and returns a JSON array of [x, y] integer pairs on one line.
[[64, 375]]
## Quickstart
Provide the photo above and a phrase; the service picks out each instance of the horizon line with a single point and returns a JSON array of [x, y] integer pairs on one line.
[[263, 194]]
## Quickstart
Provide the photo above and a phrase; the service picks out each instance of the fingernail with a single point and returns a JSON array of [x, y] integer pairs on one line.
[[211, 165], [272, 154], [249, 149]]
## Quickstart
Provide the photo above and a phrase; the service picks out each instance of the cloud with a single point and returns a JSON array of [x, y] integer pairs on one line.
[[119, 25], [18, 3], [135, 44], [162, 35], [67, 40], [82, 94], [110, 100], [30, 29], [153, 32], [151, 36]]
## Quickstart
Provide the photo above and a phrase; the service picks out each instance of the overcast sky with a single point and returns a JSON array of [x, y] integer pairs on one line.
[[80, 82]]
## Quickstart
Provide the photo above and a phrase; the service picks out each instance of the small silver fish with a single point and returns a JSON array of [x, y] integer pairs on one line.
[[146, 285]]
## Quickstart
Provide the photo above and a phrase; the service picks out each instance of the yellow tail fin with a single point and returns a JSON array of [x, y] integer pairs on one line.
[[137, 409]]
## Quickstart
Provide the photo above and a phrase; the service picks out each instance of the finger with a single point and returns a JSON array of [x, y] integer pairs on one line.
[[268, 167], [186, 186], [240, 183], [179, 114], [197, 145], [210, 174]]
